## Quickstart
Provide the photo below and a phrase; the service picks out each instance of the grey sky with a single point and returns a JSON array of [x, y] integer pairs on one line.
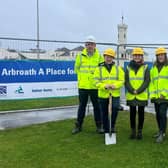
[[74, 19]]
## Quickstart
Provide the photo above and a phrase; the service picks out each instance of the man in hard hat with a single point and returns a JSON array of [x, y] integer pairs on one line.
[[159, 91], [109, 78], [137, 78], [85, 65]]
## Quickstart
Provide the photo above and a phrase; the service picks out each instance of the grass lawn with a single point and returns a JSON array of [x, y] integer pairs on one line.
[[51, 145], [7, 105]]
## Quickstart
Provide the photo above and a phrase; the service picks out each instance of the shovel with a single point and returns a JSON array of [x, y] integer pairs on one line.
[[110, 138]]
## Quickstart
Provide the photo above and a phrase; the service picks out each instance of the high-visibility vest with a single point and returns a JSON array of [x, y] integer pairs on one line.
[[136, 80], [159, 83], [85, 66], [102, 77]]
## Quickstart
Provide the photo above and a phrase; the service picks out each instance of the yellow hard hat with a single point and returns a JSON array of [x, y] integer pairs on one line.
[[109, 52], [137, 51], [160, 50]]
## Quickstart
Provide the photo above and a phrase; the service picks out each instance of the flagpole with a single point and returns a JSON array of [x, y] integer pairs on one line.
[[38, 35]]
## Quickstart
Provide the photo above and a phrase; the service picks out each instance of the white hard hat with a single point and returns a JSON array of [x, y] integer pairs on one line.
[[90, 39]]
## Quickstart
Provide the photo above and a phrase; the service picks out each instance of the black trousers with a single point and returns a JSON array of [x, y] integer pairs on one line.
[[161, 116], [133, 111], [83, 99], [104, 111]]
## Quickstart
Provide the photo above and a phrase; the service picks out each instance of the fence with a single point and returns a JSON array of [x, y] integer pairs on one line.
[[14, 48], [28, 78], [20, 49]]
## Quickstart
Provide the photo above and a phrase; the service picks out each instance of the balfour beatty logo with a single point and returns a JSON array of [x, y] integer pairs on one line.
[[19, 90]]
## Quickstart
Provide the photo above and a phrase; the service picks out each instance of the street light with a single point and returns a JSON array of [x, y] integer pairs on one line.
[[38, 46]]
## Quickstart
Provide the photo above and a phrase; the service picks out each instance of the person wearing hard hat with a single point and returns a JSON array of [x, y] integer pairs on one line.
[[85, 65], [109, 78], [159, 91], [137, 78]]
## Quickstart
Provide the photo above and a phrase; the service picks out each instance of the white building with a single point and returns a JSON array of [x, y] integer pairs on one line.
[[122, 39], [125, 53], [58, 54]]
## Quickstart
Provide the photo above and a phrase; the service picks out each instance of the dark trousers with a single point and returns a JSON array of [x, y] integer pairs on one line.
[[104, 111], [133, 110], [161, 116], [83, 99]]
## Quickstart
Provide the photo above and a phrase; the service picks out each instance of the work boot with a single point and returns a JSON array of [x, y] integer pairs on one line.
[[77, 128], [139, 134], [159, 139], [157, 134], [100, 130], [133, 134]]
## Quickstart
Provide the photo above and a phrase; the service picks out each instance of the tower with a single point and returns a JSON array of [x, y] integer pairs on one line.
[[122, 38]]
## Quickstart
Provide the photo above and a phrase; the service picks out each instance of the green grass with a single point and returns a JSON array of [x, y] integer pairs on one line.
[[51, 145], [7, 105]]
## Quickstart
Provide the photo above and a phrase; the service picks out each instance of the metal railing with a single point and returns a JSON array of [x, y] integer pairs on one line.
[[23, 48]]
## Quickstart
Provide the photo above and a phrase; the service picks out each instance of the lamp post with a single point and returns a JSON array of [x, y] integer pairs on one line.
[[38, 46]]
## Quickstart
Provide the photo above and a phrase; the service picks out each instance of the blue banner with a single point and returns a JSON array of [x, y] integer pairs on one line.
[[36, 71]]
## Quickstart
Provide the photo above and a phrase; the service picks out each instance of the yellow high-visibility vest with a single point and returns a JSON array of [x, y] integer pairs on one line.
[[159, 83], [102, 77], [136, 80], [85, 66]]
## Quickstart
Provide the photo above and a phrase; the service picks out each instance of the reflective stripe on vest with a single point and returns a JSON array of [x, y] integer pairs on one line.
[[160, 77]]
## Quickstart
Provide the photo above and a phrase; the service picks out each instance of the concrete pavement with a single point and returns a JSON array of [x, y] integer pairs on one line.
[[13, 119]]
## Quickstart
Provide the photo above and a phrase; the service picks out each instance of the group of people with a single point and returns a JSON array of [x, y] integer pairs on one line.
[[99, 78]]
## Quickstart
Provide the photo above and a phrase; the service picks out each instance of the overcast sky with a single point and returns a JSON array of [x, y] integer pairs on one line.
[[147, 20]]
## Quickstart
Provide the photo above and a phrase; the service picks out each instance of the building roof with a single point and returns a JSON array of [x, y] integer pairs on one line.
[[65, 54], [63, 49], [34, 50], [79, 48]]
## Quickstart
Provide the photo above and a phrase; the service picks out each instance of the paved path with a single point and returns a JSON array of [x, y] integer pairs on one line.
[[15, 119], [22, 118]]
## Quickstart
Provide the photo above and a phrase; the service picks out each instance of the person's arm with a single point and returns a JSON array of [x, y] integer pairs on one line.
[[77, 64], [98, 81], [120, 81], [146, 82], [128, 86], [164, 92], [152, 90]]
